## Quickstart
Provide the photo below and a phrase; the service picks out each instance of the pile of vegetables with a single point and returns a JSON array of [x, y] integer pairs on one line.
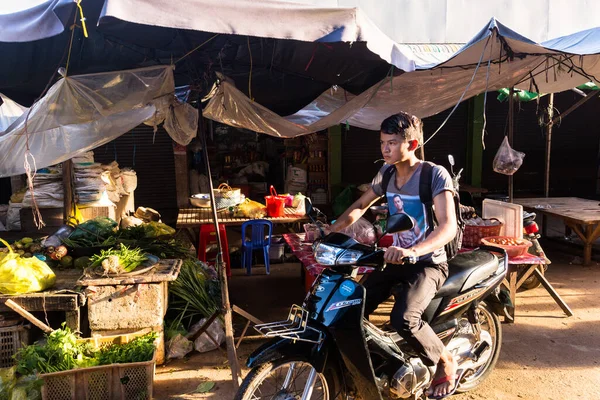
[[196, 292], [62, 352], [26, 247], [117, 261]]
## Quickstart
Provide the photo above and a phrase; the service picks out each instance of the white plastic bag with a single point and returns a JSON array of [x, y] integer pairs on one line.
[[362, 231], [129, 180], [179, 346], [507, 160], [203, 343], [13, 216]]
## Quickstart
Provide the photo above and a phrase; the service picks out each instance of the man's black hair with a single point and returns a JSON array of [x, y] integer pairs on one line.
[[408, 126]]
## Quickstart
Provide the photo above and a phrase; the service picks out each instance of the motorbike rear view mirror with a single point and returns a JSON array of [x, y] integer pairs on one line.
[[451, 161], [399, 223], [308, 207]]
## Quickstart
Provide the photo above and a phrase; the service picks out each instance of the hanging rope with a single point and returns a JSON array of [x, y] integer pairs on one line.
[[463, 94], [250, 74], [196, 48], [487, 81]]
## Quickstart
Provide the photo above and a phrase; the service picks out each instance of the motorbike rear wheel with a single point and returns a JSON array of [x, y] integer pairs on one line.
[[287, 379], [489, 322]]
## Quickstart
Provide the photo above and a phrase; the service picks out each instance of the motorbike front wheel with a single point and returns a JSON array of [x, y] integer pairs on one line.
[[287, 379]]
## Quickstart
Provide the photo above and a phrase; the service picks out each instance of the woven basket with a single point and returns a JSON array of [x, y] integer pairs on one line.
[[474, 233], [226, 196]]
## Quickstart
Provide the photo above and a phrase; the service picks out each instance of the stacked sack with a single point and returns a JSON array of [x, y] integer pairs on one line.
[[119, 182], [88, 186], [47, 189]]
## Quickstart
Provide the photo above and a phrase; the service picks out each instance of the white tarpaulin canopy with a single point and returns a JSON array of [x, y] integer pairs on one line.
[[80, 113], [496, 58]]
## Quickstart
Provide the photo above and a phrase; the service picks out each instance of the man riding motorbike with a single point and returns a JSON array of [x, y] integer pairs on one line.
[[414, 286]]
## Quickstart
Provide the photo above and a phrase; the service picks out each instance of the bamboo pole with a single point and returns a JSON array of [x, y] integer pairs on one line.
[[550, 112], [27, 315], [222, 270], [511, 115]]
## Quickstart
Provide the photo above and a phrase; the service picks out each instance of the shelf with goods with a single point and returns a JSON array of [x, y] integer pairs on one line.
[[318, 170]]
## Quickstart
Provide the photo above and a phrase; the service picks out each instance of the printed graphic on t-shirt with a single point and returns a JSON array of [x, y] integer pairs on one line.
[[412, 206]]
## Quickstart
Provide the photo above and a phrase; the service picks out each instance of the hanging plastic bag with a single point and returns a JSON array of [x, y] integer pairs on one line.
[[20, 275], [507, 160]]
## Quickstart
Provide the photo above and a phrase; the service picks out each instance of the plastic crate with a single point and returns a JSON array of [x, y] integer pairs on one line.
[[130, 381], [12, 338]]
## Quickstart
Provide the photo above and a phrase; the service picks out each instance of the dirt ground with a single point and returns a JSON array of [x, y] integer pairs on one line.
[[544, 355]]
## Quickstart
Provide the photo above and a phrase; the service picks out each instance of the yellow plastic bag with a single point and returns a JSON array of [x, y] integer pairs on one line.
[[251, 209], [20, 275]]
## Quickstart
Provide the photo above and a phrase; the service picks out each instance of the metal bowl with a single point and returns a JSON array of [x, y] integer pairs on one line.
[[200, 200]]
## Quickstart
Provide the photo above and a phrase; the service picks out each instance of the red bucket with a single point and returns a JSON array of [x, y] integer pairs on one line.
[[275, 204]]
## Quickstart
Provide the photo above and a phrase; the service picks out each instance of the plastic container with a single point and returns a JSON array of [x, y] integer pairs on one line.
[[512, 251], [473, 234], [275, 204], [127, 381], [277, 249]]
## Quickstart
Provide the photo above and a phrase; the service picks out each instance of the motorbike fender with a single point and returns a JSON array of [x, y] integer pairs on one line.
[[285, 348]]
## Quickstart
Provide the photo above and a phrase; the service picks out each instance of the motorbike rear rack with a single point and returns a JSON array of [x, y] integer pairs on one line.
[[294, 327]]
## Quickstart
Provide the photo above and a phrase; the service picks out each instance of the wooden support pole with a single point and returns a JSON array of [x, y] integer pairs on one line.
[[511, 115], [575, 106], [236, 372], [68, 205], [27, 315], [550, 112]]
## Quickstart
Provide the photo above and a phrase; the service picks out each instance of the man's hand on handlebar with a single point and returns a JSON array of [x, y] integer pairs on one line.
[[398, 255]]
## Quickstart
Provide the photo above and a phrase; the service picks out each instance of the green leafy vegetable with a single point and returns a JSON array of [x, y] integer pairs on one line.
[[119, 260], [138, 350], [196, 290], [61, 352]]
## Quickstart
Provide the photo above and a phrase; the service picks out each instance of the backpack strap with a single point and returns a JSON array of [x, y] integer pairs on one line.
[[387, 177], [425, 194]]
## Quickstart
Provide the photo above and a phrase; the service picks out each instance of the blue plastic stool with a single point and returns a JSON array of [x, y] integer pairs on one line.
[[258, 241]]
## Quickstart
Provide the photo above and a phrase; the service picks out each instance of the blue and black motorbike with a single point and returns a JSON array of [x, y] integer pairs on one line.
[[327, 350]]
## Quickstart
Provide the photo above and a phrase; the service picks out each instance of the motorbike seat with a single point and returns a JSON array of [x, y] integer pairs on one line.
[[467, 269]]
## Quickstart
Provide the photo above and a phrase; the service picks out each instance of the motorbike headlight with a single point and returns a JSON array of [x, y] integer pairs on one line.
[[327, 255]]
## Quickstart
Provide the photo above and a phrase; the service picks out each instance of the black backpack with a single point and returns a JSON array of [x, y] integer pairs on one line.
[[425, 181]]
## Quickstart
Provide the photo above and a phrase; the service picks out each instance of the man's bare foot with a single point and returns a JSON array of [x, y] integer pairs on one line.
[[445, 376]]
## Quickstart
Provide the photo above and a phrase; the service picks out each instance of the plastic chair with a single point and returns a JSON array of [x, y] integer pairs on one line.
[[257, 241], [208, 236]]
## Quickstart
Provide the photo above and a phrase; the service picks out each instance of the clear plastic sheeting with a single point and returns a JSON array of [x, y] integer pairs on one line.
[[80, 113], [10, 111]]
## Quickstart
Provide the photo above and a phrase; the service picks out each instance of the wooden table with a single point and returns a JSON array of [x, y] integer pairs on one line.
[[531, 263], [580, 215], [190, 218], [64, 296]]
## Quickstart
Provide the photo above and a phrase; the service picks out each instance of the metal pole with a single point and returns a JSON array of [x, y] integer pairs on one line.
[[222, 270], [511, 111]]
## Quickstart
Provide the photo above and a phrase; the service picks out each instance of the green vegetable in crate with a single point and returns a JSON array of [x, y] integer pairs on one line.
[[118, 261], [61, 352]]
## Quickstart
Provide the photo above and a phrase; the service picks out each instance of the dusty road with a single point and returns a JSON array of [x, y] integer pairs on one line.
[[545, 355]]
